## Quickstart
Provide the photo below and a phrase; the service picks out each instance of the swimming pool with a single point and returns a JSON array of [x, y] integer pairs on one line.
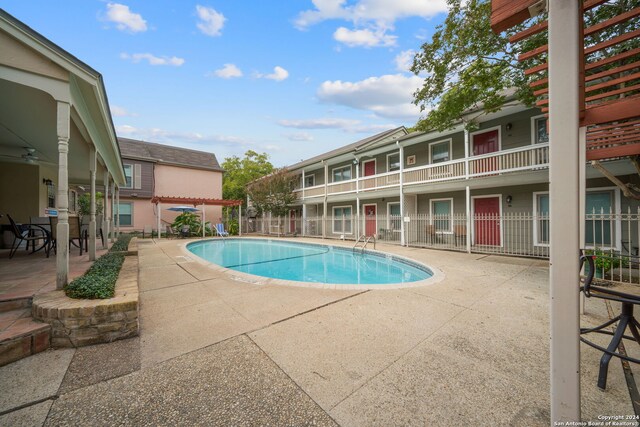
[[309, 263]]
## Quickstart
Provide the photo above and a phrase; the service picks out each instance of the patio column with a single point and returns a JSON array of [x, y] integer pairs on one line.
[[402, 225], [565, 46], [159, 210], [117, 211], [62, 229], [304, 209], [468, 216], [204, 220], [112, 228], [106, 209], [582, 159], [357, 165], [466, 153], [324, 205], [92, 221]]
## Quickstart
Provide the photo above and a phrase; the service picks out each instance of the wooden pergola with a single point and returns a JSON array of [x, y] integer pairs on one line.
[[589, 85], [194, 201]]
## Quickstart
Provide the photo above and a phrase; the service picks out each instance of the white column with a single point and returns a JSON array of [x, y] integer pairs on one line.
[[62, 229], [304, 207], [112, 224], [402, 213], [106, 211], [468, 215], [358, 199], [565, 48], [117, 228], [159, 215], [92, 222], [582, 201], [240, 220], [324, 205], [204, 220], [466, 153]]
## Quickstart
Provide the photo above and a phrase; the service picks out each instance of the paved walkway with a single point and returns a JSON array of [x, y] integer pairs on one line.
[[470, 350]]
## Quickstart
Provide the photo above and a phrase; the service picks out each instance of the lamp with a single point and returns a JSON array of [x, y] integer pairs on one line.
[[356, 161], [509, 126], [509, 200], [47, 182]]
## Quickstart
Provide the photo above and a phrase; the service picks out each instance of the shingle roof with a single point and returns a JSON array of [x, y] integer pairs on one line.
[[132, 148]]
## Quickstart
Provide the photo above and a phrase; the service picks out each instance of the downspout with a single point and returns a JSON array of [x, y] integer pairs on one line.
[[324, 206], [356, 162]]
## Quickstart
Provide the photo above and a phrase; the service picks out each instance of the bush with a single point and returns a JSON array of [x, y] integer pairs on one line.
[[99, 282]]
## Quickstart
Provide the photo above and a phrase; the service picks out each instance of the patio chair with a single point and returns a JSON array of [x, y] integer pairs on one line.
[[625, 320], [431, 234], [75, 233], [86, 219], [220, 230], [185, 231], [170, 232], [31, 233], [147, 230]]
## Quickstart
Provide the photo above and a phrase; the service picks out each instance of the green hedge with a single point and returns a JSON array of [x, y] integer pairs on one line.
[[99, 282]]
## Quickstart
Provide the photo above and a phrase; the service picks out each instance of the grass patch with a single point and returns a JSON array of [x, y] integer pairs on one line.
[[99, 282]]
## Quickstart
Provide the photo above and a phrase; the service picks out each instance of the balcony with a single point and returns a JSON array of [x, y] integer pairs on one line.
[[528, 158]]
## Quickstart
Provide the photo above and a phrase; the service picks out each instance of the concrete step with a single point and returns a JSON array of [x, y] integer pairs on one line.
[[21, 336], [15, 301]]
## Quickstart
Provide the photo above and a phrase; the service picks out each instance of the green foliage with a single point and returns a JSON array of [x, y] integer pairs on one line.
[[189, 219], [274, 193], [233, 228], [99, 282], [238, 173], [84, 203], [469, 67], [606, 260]]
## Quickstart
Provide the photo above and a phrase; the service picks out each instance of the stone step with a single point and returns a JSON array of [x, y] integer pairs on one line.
[[21, 336], [15, 301]]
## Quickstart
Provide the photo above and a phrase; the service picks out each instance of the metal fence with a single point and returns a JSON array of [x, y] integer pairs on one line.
[[612, 236]]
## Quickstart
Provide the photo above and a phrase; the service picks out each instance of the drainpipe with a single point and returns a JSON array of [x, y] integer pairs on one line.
[[324, 205], [356, 163], [304, 207], [402, 226], [466, 153], [468, 215]]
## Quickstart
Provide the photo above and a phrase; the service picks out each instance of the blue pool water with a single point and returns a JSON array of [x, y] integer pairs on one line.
[[307, 262]]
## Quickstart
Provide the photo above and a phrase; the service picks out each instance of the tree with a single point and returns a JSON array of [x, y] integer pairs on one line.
[[238, 173], [274, 193], [469, 67]]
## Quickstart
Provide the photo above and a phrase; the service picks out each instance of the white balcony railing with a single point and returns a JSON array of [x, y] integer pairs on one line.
[[531, 157]]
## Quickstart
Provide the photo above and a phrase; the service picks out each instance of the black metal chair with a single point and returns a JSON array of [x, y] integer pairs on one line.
[[29, 233], [625, 320]]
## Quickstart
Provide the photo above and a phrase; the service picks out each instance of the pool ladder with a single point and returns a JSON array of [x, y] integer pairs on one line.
[[364, 240]]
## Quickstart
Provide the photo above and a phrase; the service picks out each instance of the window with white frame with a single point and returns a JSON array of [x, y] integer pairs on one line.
[[342, 174], [393, 217], [393, 162], [125, 210], [128, 174], [342, 220], [541, 219], [599, 227], [441, 215], [540, 134], [440, 151], [309, 180]]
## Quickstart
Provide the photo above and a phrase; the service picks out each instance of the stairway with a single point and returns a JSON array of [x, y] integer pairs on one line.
[[20, 335]]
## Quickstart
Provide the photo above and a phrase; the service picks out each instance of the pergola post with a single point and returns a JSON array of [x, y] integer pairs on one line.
[[92, 212], [402, 211], [159, 209], [240, 220], [62, 228], [565, 47], [106, 211]]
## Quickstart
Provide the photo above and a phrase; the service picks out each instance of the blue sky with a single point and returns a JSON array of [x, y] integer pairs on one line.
[[290, 78]]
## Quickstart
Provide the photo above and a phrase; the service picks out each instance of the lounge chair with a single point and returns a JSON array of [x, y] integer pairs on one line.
[[220, 230], [30, 234]]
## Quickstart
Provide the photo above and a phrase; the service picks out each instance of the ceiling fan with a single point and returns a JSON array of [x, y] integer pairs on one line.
[[29, 156]]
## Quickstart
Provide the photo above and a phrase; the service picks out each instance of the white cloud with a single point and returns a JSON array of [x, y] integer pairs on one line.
[[153, 60], [211, 21], [229, 71], [365, 37], [178, 138], [346, 125], [117, 111], [279, 74], [404, 60], [387, 96], [299, 137], [124, 19]]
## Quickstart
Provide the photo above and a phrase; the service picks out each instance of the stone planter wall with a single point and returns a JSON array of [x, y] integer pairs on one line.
[[76, 323]]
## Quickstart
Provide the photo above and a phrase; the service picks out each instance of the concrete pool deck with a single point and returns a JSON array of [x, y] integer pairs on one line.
[[469, 350]]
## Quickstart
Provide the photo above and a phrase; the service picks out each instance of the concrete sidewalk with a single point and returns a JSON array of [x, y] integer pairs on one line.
[[470, 350]]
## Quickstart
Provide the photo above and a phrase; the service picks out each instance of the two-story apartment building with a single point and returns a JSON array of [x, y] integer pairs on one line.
[[161, 170], [484, 190]]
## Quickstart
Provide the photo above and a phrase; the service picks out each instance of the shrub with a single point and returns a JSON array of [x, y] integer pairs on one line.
[[99, 282]]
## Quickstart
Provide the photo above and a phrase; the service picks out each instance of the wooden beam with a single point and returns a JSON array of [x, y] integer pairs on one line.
[[623, 187], [636, 164], [618, 57], [534, 29], [533, 53], [612, 152], [610, 72], [612, 42], [611, 111], [618, 19], [508, 13], [613, 82], [613, 92]]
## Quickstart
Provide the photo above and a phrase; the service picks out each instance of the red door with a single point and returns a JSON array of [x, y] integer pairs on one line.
[[486, 220], [485, 143], [370, 222], [292, 221], [369, 168]]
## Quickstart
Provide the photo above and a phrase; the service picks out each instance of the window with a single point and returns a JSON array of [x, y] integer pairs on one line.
[[309, 181], [126, 214], [541, 206], [540, 134], [441, 213], [393, 162], [342, 174], [440, 151], [393, 217], [599, 226], [51, 194], [342, 220], [73, 197], [128, 174]]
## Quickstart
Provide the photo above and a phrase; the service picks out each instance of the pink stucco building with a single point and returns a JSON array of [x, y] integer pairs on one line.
[[161, 170]]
